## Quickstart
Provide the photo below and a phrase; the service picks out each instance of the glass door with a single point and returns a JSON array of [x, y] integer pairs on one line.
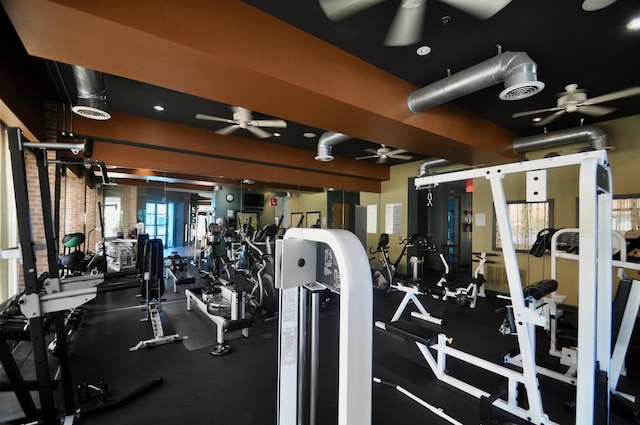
[[156, 221]]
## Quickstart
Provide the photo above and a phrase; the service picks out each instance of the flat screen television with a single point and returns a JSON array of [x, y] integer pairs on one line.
[[253, 200]]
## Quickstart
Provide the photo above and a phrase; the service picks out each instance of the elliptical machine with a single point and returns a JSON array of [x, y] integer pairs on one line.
[[255, 263]]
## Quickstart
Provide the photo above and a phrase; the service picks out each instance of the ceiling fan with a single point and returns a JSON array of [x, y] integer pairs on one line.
[[406, 27], [383, 153], [574, 99], [243, 118]]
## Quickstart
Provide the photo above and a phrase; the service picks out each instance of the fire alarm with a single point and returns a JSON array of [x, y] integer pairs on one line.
[[273, 202]]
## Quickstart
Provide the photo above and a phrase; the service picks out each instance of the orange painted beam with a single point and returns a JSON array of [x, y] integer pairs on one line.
[[194, 163], [173, 137], [232, 53]]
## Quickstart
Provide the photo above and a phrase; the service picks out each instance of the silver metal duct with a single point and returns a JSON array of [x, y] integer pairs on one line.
[[596, 136], [515, 69], [326, 141], [92, 97], [429, 163]]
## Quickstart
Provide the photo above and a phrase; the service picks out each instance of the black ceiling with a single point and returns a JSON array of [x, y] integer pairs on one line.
[[570, 45]]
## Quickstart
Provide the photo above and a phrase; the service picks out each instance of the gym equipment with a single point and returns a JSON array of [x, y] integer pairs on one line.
[[72, 258], [200, 229], [308, 262], [48, 297], [465, 292], [177, 273], [383, 278], [224, 305], [152, 289], [595, 289], [543, 298], [256, 266], [383, 281]]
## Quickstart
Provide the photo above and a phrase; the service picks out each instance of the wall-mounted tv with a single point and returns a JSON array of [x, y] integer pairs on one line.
[[252, 200]]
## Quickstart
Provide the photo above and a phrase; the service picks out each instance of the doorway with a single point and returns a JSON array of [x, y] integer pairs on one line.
[[158, 222], [340, 214]]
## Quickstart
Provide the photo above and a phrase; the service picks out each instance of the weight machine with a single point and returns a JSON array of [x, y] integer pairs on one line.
[[466, 291], [625, 310], [595, 288], [309, 261], [51, 296]]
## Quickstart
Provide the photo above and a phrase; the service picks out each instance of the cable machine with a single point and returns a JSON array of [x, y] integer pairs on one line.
[[309, 261], [595, 290], [42, 296]]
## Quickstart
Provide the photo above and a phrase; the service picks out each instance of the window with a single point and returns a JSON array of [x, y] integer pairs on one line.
[[526, 219], [112, 212], [626, 213], [9, 280]]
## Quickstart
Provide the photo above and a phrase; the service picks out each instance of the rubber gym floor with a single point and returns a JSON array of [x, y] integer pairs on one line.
[[240, 388]]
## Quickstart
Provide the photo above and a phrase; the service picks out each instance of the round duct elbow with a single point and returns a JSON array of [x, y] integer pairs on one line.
[[430, 163], [326, 142], [324, 153], [92, 98], [515, 69], [596, 137], [521, 80]]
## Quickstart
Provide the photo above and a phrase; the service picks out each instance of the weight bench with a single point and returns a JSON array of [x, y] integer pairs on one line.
[[416, 334], [152, 289]]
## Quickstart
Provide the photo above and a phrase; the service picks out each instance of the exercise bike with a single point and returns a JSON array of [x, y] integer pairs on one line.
[[383, 280], [383, 277]]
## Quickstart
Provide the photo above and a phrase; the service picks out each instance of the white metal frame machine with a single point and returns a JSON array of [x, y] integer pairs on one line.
[[595, 287], [309, 260]]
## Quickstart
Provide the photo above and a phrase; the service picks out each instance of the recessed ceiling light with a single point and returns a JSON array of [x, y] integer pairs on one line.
[[423, 50], [634, 24], [158, 107], [277, 134], [309, 135], [537, 119]]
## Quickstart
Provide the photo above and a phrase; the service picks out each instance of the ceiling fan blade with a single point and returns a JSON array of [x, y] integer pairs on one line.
[[536, 111], [210, 118], [595, 111], [396, 152], [228, 130], [366, 157], [406, 27], [372, 151], [591, 5], [480, 9], [550, 118], [339, 9], [268, 123], [401, 157], [258, 132], [631, 91]]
